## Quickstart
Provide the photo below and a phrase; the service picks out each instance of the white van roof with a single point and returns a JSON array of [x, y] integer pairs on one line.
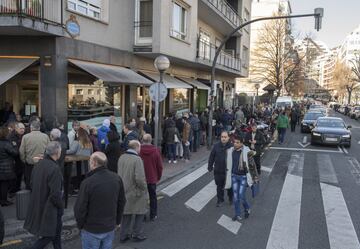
[[284, 98]]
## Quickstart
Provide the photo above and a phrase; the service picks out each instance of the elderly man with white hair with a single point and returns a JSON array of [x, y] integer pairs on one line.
[[131, 171], [55, 135], [46, 206]]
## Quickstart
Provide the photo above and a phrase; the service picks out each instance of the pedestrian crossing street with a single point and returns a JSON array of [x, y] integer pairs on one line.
[[285, 228]]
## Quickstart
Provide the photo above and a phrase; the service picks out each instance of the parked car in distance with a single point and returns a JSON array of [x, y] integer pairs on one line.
[[355, 112], [309, 120], [331, 131]]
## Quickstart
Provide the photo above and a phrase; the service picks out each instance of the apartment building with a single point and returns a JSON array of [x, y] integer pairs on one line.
[[87, 59], [259, 9], [350, 46]]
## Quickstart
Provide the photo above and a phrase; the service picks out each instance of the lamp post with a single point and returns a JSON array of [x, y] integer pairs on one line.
[[257, 86], [161, 63], [318, 14]]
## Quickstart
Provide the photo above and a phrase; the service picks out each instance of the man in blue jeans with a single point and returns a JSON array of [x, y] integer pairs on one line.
[[239, 178], [100, 204]]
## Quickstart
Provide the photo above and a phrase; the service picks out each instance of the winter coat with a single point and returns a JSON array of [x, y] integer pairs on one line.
[[131, 170], [7, 160], [132, 135], [15, 140], [217, 159], [95, 142], [282, 122], [33, 145], [226, 119], [100, 203], [169, 136], [113, 152], [102, 137], [186, 133], [195, 123], [152, 163], [239, 115], [45, 199], [260, 141]]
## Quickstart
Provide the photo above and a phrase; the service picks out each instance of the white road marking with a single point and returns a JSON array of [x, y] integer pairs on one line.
[[304, 140], [271, 162], [339, 224], [177, 186], [304, 145], [266, 169], [355, 169], [285, 228], [303, 149], [326, 169], [201, 198], [229, 224], [345, 150]]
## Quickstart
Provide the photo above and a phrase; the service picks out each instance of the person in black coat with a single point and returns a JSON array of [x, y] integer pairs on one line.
[[255, 140], [113, 151], [100, 204], [8, 153], [45, 209], [217, 162], [130, 134]]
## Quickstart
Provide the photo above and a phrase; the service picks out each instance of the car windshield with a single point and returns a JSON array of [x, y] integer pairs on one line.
[[331, 123], [312, 116]]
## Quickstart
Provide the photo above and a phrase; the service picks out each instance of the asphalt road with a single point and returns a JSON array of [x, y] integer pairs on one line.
[[308, 200]]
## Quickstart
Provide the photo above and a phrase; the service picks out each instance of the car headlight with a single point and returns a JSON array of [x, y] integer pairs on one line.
[[346, 136], [316, 134]]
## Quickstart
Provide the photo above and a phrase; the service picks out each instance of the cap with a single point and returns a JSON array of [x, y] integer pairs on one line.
[[106, 123]]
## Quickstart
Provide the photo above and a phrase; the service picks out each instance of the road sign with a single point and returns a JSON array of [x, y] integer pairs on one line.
[[157, 94]]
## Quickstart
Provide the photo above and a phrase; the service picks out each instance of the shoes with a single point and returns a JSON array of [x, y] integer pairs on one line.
[[139, 238], [220, 203], [125, 239], [169, 161], [175, 162], [153, 218], [237, 218], [247, 213]]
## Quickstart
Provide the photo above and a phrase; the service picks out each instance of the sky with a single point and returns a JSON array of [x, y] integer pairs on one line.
[[340, 18]]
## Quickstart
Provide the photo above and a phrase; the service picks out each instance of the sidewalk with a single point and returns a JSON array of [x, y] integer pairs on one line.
[[14, 227]]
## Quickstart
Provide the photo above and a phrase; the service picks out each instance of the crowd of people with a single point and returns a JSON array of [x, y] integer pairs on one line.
[[124, 167]]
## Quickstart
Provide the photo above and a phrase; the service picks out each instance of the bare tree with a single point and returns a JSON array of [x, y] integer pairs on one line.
[[344, 79], [273, 58]]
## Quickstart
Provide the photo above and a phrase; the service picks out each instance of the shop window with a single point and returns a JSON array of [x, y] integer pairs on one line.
[[91, 108], [181, 100]]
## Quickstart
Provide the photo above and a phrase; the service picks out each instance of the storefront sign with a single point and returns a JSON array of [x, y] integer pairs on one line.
[[73, 27]]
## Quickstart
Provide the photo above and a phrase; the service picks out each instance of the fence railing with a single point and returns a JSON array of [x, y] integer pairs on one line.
[[50, 11], [227, 11], [143, 29], [206, 51]]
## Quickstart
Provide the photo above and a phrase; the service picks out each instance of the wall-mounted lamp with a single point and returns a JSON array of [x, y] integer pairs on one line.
[[47, 61]]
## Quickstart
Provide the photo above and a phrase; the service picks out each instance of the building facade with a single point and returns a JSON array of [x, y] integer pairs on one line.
[[89, 59]]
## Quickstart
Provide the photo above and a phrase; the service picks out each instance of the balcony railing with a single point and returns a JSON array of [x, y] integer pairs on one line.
[[206, 52], [227, 11], [49, 11]]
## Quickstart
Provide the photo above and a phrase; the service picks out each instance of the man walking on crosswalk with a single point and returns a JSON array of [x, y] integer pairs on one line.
[[217, 162]]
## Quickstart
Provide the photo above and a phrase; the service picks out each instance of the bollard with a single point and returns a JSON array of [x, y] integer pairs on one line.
[[22, 203]]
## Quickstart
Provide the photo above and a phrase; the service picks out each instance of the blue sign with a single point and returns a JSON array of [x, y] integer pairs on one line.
[[73, 28]]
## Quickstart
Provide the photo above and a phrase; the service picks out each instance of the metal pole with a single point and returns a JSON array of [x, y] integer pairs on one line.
[[213, 68], [157, 111]]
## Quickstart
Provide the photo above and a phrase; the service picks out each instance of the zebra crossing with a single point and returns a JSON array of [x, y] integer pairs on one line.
[[285, 227]]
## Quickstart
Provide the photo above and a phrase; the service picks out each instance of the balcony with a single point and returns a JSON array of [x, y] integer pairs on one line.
[[226, 19], [226, 60], [31, 17]]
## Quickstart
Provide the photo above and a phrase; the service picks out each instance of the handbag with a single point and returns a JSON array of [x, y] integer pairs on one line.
[[176, 139]]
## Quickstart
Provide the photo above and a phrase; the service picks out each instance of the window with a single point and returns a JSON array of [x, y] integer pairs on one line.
[[179, 14], [90, 91], [143, 21], [204, 45], [91, 8], [79, 91]]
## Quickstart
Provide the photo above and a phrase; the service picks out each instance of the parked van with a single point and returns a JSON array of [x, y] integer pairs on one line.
[[284, 101]]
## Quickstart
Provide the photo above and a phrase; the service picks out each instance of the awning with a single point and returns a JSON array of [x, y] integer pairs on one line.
[[195, 83], [9, 67], [110, 73], [169, 81]]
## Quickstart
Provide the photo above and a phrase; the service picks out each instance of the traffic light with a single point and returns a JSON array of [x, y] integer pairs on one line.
[[319, 13]]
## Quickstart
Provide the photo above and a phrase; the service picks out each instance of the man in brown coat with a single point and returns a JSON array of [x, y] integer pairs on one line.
[[32, 145], [131, 171]]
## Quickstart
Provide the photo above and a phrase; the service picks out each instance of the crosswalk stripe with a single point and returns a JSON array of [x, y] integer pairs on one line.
[[339, 224], [326, 169], [285, 228], [201, 198], [177, 186], [229, 224], [266, 169]]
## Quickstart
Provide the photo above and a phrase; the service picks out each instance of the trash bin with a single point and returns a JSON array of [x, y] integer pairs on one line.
[[22, 203]]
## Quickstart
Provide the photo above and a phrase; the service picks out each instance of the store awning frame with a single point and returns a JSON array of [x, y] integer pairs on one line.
[[111, 73], [195, 83], [11, 66], [169, 81]]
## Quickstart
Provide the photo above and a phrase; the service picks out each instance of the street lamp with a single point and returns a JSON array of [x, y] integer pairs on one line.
[[161, 63], [257, 86]]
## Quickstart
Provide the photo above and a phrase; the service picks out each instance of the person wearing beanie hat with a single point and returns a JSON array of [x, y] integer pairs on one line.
[[102, 135]]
